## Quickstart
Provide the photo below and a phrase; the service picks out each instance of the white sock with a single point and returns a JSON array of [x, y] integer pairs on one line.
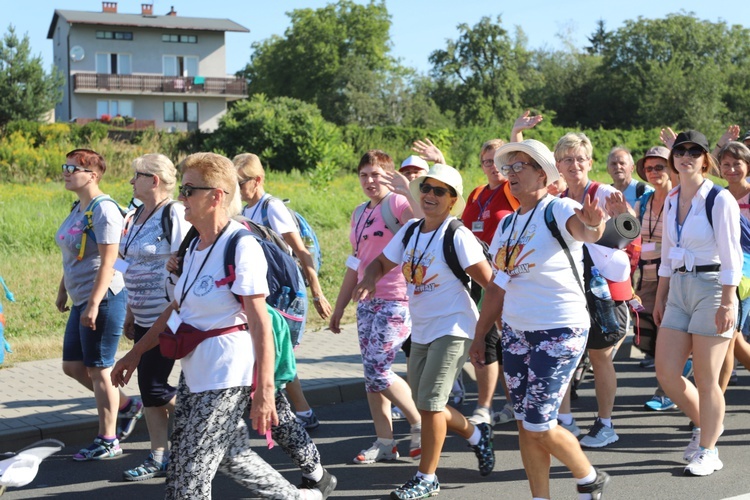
[[606, 421], [565, 418], [426, 477], [416, 428], [475, 437], [588, 479], [160, 456], [307, 413], [385, 441], [315, 475]]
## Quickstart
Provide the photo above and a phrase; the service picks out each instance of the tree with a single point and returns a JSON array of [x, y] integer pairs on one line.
[[27, 92], [479, 76], [598, 39]]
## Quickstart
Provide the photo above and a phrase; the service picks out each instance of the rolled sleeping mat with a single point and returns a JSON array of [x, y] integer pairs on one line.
[[620, 231]]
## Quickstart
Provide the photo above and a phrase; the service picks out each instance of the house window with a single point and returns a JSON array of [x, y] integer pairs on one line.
[[113, 64], [113, 108], [180, 65], [179, 38], [176, 111], [114, 35]]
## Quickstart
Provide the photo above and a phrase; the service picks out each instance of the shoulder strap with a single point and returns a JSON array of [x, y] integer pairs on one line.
[[132, 218], [410, 231], [360, 210], [592, 190], [506, 221], [710, 199], [389, 218], [166, 220], [187, 242], [549, 220], [643, 205], [230, 252], [449, 252], [640, 188], [264, 210]]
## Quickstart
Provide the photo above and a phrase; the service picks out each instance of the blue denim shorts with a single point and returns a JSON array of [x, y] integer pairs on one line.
[[96, 348]]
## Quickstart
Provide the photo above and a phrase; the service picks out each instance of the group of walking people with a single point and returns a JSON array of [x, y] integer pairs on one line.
[[501, 279]]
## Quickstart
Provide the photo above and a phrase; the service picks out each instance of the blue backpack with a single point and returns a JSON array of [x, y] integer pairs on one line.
[[743, 290], [306, 232], [4, 345]]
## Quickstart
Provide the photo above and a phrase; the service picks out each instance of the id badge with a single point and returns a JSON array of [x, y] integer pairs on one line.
[[649, 247], [502, 279], [352, 262], [477, 226], [174, 321], [121, 265], [677, 253]]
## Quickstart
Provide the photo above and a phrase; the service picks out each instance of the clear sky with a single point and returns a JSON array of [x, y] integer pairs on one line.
[[418, 26]]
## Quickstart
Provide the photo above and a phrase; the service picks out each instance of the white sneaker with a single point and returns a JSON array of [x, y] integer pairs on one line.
[[504, 416], [693, 446], [481, 416], [376, 453], [704, 463]]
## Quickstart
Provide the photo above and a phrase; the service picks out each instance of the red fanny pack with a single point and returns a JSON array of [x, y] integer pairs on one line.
[[179, 344]]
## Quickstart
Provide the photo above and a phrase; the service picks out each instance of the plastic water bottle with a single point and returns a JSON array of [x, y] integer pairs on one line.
[[283, 303], [605, 309], [297, 310]]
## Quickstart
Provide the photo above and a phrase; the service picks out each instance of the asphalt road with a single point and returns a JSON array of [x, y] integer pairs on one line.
[[645, 463]]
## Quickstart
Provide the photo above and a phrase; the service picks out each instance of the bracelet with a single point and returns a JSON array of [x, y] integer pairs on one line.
[[728, 308], [593, 228]]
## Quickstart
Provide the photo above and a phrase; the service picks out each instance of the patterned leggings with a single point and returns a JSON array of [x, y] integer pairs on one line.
[[209, 435], [293, 438]]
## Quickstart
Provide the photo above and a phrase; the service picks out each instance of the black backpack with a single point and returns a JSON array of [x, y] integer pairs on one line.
[[166, 219]]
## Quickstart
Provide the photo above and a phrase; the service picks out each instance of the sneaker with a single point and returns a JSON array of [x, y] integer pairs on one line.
[[100, 449], [147, 470], [599, 436], [704, 463], [572, 427], [597, 487], [127, 419], [377, 453], [415, 446], [458, 392], [397, 414], [481, 415], [309, 423], [416, 488], [647, 362], [659, 403], [687, 370], [326, 485], [504, 416], [693, 446], [484, 450], [733, 378]]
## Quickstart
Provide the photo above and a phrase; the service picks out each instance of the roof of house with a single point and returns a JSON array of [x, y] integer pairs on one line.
[[141, 21]]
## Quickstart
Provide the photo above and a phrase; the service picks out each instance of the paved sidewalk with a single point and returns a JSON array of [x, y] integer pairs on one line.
[[38, 401]]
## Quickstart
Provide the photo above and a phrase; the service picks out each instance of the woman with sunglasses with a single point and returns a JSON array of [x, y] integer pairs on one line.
[[146, 248], [235, 356], [443, 319], [538, 295], [696, 305], [383, 320], [89, 238]]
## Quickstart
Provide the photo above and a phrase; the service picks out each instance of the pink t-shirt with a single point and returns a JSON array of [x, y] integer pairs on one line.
[[369, 236]]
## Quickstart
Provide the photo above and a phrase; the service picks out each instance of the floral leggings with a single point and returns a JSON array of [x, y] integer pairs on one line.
[[383, 326], [209, 435], [292, 437], [538, 366]]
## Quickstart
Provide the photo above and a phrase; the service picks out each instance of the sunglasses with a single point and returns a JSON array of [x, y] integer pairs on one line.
[[187, 191], [694, 152], [71, 169], [516, 167], [655, 168], [245, 181], [439, 191], [142, 174]]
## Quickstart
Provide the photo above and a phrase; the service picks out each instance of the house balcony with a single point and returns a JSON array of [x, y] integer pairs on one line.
[[99, 83]]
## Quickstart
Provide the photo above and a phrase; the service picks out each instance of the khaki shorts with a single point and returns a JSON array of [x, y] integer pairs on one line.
[[692, 303], [433, 368]]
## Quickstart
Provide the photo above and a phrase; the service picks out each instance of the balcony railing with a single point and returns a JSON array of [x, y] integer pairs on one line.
[[159, 84]]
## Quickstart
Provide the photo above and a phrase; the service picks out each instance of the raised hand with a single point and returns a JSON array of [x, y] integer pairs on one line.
[[428, 151], [667, 136]]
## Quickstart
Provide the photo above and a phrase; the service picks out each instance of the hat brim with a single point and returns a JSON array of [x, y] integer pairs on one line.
[[458, 207], [536, 150]]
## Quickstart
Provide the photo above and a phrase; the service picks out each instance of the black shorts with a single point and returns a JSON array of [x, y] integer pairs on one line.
[[153, 375], [493, 349], [597, 338]]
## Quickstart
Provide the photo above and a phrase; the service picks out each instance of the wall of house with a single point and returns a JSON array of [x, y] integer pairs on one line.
[[61, 60]]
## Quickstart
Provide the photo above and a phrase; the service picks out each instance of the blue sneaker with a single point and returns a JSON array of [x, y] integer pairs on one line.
[[416, 488], [659, 403], [127, 419], [687, 371], [149, 469]]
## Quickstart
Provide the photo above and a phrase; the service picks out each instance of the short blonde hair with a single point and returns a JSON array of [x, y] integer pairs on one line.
[[491, 145], [158, 165], [248, 166], [572, 141], [216, 171]]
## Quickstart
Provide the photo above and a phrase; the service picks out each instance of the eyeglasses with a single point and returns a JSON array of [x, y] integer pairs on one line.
[[569, 160], [694, 152], [655, 168], [187, 191], [245, 181], [141, 174], [71, 169], [488, 163], [439, 191], [515, 167]]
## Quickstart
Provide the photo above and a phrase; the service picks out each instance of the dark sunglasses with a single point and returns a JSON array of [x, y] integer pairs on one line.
[[142, 174], [655, 168], [71, 169], [694, 152], [245, 181], [439, 191], [187, 191]]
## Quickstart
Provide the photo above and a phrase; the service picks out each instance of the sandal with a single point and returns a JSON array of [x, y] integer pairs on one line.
[[100, 449], [149, 469]]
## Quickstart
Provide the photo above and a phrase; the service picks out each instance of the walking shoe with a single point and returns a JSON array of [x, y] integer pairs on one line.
[[694, 446], [149, 469], [416, 488], [504, 416], [659, 403], [687, 370], [597, 487], [704, 463], [481, 415], [309, 423], [376, 453], [326, 485], [599, 436], [415, 446], [733, 378], [126, 419], [484, 450], [647, 362], [572, 427], [458, 392], [100, 449], [397, 414]]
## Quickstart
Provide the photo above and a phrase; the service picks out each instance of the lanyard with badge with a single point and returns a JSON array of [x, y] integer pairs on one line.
[[478, 225], [676, 252], [415, 263], [352, 262], [650, 245]]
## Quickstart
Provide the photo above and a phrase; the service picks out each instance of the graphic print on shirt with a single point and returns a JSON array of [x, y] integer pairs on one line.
[[415, 269], [518, 261]]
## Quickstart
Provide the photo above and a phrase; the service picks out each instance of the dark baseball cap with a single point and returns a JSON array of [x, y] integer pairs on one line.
[[691, 136]]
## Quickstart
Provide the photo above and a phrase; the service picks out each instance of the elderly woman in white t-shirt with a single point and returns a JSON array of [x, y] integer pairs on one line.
[[443, 318], [538, 294]]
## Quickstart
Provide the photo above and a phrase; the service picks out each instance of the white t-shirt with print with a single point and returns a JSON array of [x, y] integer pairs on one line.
[[279, 217], [542, 292], [439, 303], [227, 360]]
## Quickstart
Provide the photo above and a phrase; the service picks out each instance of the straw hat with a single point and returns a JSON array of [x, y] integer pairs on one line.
[[447, 175], [536, 150]]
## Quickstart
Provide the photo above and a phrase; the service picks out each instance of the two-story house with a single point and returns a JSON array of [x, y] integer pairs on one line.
[[168, 71]]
